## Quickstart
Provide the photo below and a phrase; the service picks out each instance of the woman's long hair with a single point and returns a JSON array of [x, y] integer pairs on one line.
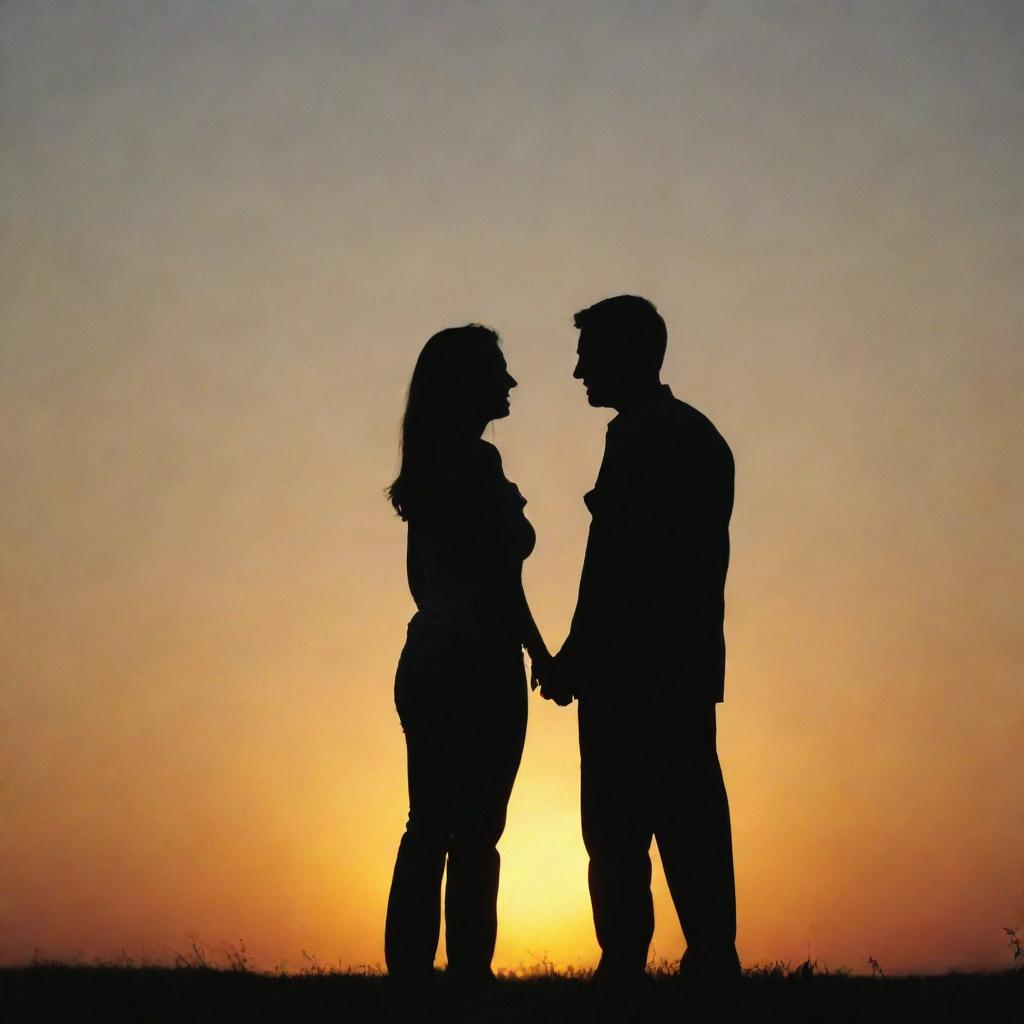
[[446, 366]]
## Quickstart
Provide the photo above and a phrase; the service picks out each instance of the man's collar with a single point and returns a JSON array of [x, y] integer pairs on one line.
[[655, 399]]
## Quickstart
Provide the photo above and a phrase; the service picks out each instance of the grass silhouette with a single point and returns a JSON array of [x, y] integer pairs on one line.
[[204, 984]]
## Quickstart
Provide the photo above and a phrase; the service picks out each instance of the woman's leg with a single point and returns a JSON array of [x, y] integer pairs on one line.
[[489, 736], [413, 920]]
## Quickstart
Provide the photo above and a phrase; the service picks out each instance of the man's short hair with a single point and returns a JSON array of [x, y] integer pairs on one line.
[[630, 318]]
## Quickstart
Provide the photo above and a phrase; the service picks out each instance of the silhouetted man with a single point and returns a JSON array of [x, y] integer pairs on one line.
[[645, 655]]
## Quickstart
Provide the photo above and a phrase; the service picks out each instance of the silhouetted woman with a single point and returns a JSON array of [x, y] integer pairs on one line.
[[460, 688]]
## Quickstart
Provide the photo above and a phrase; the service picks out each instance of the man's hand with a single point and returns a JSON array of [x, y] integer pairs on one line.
[[556, 680]]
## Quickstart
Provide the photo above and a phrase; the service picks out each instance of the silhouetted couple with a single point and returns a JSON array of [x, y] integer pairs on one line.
[[644, 658]]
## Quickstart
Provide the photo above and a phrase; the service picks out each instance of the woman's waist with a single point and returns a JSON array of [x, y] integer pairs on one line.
[[468, 610], [471, 595]]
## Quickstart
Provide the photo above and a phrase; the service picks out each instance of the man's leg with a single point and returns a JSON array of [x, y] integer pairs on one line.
[[614, 790], [695, 841]]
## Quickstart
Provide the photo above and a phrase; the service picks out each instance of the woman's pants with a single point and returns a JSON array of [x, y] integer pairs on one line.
[[462, 704]]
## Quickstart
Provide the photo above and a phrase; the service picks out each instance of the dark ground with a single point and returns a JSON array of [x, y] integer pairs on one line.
[[183, 994]]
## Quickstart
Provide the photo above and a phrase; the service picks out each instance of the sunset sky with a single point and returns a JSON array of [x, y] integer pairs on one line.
[[227, 229]]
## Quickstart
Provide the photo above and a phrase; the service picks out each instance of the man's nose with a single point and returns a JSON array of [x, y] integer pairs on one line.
[[578, 372]]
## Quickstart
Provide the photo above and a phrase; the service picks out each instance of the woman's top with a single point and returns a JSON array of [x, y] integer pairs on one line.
[[468, 537]]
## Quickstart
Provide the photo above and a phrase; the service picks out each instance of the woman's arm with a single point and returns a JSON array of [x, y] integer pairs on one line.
[[540, 657], [414, 570]]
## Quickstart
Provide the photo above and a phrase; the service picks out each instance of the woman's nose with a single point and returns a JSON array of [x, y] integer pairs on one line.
[[510, 381]]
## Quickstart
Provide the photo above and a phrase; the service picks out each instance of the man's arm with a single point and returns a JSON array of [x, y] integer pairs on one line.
[[564, 681]]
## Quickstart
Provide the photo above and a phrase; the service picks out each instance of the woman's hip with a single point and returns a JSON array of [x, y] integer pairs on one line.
[[458, 673]]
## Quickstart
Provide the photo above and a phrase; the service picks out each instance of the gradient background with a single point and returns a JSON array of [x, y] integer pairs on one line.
[[228, 227]]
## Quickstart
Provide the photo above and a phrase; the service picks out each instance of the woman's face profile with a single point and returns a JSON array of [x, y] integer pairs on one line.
[[487, 387]]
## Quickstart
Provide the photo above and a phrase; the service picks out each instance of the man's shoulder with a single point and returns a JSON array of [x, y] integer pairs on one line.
[[695, 429]]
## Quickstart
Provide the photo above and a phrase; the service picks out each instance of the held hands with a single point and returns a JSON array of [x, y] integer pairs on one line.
[[550, 674], [553, 676]]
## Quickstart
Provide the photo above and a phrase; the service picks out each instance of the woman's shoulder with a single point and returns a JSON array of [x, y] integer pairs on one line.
[[485, 475], [460, 473], [488, 458], [507, 491], [466, 460]]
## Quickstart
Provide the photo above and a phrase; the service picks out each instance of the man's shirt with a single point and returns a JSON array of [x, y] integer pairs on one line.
[[649, 618]]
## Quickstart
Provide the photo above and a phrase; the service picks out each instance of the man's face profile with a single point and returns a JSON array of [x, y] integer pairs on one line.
[[597, 366]]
